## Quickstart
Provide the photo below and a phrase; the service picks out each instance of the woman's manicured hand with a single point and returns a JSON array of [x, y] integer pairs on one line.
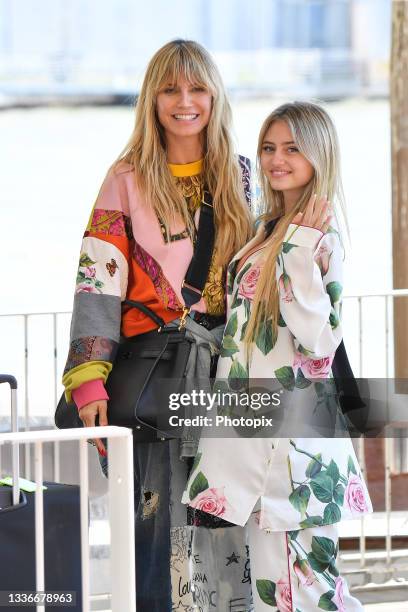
[[317, 214], [88, 414]]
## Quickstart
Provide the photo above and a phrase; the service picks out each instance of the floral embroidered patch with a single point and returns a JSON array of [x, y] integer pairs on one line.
[[86, 281], [90, 348]]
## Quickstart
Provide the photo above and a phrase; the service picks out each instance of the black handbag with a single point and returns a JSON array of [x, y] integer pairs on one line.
[[352, 405], [150, 366]]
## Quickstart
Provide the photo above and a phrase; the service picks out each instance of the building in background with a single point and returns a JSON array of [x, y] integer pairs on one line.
[[99, 48]]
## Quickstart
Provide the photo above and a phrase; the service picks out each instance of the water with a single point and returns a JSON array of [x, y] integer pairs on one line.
[[53, 162]]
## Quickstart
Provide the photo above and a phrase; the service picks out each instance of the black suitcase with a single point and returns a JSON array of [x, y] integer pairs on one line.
[[62, 538]]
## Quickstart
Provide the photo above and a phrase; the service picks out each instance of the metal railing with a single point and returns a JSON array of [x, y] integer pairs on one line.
[[121, 504]]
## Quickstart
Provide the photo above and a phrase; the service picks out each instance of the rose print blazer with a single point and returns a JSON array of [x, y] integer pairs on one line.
[[301, 479]]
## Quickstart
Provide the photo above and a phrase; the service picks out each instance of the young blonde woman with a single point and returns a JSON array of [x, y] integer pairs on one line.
[[138, 245], [283, 323]]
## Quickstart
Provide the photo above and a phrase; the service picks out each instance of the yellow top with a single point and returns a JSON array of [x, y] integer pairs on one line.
[[181, 170]]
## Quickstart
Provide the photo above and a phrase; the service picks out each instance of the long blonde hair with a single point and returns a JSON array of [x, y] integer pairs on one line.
[[146, 149], [315, 136]]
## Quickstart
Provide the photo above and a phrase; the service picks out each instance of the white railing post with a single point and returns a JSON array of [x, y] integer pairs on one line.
[[84, 513], [55, 359], [27, 449], [122, 540], [39, 521]]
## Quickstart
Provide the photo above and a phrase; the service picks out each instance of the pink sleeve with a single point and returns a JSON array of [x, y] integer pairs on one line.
[[88, 392]]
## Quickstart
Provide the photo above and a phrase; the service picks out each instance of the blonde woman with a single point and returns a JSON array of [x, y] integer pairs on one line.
[[283, 323], [138, 245]]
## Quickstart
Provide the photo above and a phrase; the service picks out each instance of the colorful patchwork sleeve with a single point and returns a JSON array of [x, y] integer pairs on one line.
[[101, 285], [309, 275]]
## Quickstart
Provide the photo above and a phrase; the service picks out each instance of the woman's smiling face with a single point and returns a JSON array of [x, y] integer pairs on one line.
[[285, 167], [183, 109]]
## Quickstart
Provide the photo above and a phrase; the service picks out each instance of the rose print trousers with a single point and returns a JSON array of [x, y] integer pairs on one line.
[[297, 571], [167, 571], [294, 571]]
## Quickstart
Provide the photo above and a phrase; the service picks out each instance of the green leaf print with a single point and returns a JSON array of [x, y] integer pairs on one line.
[[304, 351], [331, 230], [237, 371], [247, 306], [334, 319], [299, 498], [265, 340], [221, 386], [287, 246], [333, 472], [197, 460], [293, 534], [232, 268], [333, 569], [323, 549], [301, 381], [325, 601], [200, 484], [314, 466], [266, 591], [237, 301], [232, 325], [85, 261], [281, 322], [338, 494], [286, 377], [311, 521], [228, 347], [316, 565], [323, 487], [242, 272], [350, 466], [243, 330], [334, 289], [331, 514]]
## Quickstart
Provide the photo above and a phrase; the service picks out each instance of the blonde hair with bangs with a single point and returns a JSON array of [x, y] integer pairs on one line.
[[146, 149], [315, 136]]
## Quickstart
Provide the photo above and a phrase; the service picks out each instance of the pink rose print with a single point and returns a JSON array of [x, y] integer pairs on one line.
[[322, 258], [283, 596], [212, 501], [90, 272], [285, 289], [304, 572], [354, 495], [313, 368], [338, 598], [85, 288], [248, 283]]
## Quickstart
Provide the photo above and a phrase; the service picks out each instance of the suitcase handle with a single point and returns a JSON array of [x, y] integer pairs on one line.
[[7, 378], [20, 504]]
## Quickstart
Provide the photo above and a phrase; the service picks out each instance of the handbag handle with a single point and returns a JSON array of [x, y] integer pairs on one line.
[[146, 310]]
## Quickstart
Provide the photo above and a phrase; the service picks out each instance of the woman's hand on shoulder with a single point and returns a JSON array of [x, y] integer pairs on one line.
[[88, 414], [317, 214]]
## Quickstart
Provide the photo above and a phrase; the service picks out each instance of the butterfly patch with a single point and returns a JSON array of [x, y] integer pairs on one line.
[[112, 267]]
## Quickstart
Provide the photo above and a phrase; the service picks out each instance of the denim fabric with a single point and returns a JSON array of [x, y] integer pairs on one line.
[[159, 478]]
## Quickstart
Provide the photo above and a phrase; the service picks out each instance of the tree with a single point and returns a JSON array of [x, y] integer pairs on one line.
[[399, 135]]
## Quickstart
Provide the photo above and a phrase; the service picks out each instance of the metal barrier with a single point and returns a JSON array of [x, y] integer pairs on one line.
[[121, 504]]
